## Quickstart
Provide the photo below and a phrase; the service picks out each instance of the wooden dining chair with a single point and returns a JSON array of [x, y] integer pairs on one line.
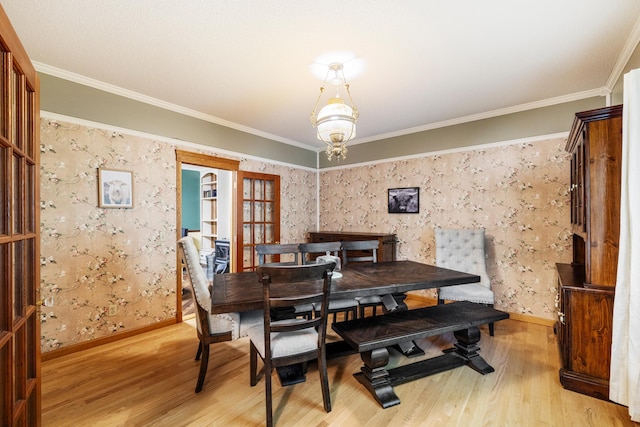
[[309, 252], [362, 251], [211, 328], [266, 253], [291, 341]]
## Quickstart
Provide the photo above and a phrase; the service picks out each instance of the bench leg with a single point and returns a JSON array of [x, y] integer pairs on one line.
[[375, 377], [467, 349]]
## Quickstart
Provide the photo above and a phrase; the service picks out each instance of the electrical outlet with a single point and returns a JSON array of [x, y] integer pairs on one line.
[[113, 310]]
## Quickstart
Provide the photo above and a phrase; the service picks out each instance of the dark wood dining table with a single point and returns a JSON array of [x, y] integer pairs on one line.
[[235, 292]]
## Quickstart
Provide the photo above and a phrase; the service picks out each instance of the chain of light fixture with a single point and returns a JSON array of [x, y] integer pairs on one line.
[[335, 122]]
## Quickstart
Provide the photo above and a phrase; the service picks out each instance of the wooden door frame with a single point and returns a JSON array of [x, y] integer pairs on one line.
[[20, 332], [204, 160]]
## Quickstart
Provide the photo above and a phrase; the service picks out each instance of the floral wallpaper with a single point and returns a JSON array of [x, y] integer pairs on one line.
[[518, 193], [94, 258]]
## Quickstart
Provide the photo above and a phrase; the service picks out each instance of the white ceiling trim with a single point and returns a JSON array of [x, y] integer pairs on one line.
[[77, 78], [625, 55], [489, 114], [527, 140], [116, 90], [177, 142]]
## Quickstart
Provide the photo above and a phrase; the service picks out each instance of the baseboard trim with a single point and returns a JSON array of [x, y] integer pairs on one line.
[[53, 354], [513, 316]]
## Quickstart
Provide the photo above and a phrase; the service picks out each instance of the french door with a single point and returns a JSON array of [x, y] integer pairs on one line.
[[19, 233], [258, 215]]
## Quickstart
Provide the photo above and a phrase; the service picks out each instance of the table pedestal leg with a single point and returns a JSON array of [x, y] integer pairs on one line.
[[375, 377], [395, 302], [467, 348]]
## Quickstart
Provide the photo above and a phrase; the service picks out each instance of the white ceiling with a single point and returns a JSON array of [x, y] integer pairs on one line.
[[412, 64]]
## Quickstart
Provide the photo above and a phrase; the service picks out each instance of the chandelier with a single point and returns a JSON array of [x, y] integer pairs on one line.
[[335, 122]]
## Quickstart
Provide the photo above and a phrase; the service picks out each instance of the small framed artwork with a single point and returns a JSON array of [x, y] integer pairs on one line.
[[115, 188], [404, 200]]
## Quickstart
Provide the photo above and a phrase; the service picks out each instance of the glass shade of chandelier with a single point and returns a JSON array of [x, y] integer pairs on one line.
[[335, 123]]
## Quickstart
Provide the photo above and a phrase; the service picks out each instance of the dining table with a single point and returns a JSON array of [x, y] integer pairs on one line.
[[242, 291]]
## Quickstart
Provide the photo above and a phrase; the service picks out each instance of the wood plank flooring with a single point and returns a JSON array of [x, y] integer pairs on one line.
[[149, 380]]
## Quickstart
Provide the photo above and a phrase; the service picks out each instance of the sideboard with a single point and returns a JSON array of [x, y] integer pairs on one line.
[[386, 248]]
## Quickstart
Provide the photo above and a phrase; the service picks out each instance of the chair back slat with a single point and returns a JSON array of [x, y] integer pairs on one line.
[[312, 250], [267, 250], [359, 251]]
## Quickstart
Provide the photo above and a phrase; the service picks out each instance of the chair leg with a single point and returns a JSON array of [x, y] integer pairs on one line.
[[199, 352], [267, 391], [324, 381], [253, 365], [204, 363], [491, 329]]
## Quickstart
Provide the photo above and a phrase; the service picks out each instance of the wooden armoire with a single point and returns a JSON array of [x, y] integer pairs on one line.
[[586, 286]]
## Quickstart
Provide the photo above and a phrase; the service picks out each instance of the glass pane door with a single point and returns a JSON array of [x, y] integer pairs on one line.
[[258, 215]]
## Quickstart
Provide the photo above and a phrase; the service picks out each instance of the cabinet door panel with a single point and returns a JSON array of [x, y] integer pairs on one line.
[[590, 340]]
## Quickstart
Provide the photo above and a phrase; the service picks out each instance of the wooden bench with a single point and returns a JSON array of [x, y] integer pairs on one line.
[[371, 336]]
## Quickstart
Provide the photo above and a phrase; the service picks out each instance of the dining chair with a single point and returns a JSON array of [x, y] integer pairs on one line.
[[211, 328], [464, 250], [291, 341], [308, 253], [266, 252], [362, 251]]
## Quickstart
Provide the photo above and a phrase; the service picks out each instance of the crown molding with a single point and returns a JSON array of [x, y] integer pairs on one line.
[[527, 140], [116, 90], [489, 114], [175, 141], [625, 55]]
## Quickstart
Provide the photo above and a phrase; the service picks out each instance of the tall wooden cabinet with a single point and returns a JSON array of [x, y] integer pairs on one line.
[[587, 285]]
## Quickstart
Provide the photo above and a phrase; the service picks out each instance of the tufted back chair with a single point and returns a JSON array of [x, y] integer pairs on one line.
[[206, 322], [464, 250], [211, 328]]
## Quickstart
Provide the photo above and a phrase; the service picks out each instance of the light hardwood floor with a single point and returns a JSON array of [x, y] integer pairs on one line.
[[149, 380]]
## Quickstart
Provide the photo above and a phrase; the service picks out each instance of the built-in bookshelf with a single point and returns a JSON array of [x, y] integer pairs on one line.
[[208, 211]]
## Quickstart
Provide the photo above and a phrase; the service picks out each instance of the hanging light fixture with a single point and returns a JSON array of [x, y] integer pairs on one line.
[[335, 122]]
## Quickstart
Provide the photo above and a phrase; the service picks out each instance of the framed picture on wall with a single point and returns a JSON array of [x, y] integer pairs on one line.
[[115, 188], [404, 200]]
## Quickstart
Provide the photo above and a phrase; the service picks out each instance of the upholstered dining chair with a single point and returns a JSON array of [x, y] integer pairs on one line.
[[362, 251], [464, 250], [211, 328], [266, 251], [291, 341], [348, 306]]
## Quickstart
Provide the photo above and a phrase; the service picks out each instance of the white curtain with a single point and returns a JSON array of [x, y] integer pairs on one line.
[[624, 385]]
